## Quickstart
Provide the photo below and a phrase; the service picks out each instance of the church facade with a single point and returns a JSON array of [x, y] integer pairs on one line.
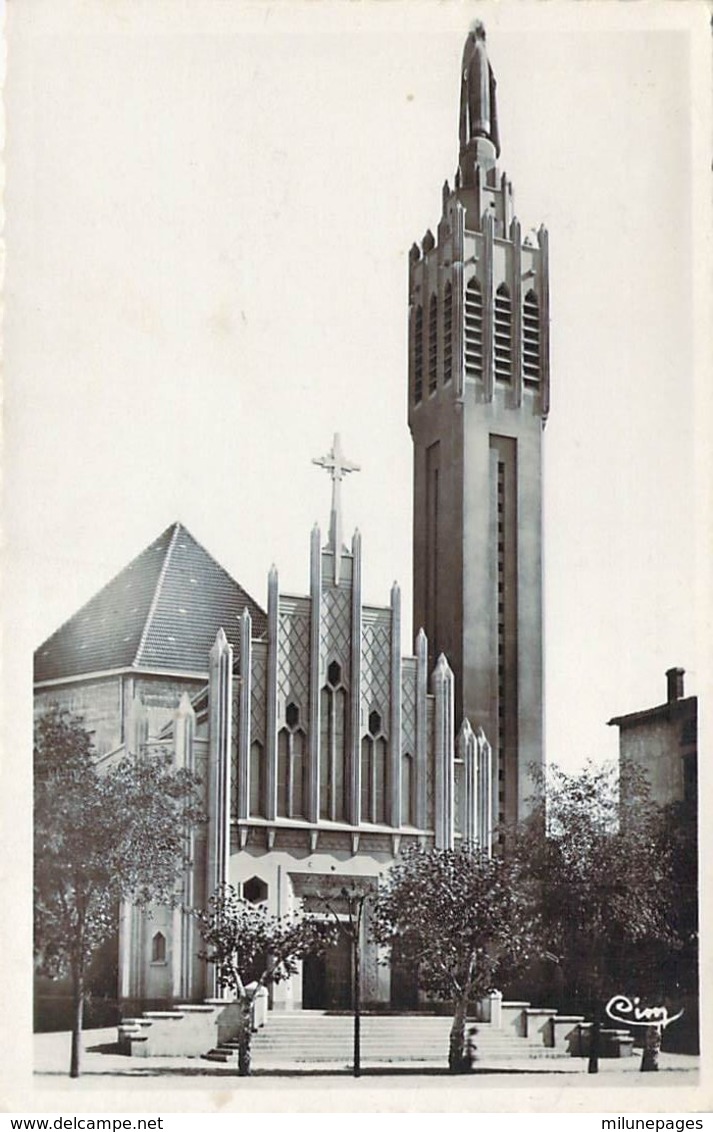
[[324, 751]]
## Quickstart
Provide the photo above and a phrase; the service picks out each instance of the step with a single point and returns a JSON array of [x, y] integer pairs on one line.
[[438, 1055], [315, 1036]]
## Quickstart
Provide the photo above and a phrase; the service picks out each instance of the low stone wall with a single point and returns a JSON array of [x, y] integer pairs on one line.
[[538, 1025], [565, 1031], [612, 1043], [513, 1018], [187, 1031]]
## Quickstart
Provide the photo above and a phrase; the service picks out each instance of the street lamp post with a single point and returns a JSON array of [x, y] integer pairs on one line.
[[352, 928], [355, 904]]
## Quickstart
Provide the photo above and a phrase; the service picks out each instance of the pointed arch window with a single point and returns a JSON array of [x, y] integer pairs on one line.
[[531, 339], [503, 334], [433, 345], [473, 329], [158, 948], [291, 766], [374, 751], [332, 747], [418, 355], [257, 781]]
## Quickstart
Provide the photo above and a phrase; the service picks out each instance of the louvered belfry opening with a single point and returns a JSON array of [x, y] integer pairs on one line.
[[433, 345], [503, 334], [473, 329], [447, 333], [531, 339], [418, 355]]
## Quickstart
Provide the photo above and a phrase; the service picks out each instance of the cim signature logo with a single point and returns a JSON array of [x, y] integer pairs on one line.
[[627, 1010]]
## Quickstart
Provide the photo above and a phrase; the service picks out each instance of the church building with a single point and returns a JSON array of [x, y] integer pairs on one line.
[[323, 750]]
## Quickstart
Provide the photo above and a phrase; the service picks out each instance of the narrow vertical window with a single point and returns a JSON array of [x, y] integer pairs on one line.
[[447, 333], [407, 785], [366, 778], [374, 752], [433, 345], [418, 355], [298, 788], [503, 334], [505, 575], [379, 757], [432, 537], [158, 948], [325, 746], [531, 339], [290, 767], [283, 771], [338, 777], [332, 779], [502, 691], [473, 329], [257, 805]]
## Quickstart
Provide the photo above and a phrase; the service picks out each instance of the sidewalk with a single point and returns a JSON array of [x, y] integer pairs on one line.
[[101, 1063]]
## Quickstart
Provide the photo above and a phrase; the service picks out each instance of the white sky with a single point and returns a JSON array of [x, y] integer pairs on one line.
[[210, 208]]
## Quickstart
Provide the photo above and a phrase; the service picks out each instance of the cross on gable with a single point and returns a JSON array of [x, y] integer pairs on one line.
[[338, 466], [334, 462]]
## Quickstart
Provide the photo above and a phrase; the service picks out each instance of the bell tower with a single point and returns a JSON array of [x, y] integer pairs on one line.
[[478, 400]]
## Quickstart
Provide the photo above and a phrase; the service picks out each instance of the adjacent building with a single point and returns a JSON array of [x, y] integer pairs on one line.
[[663, 742]]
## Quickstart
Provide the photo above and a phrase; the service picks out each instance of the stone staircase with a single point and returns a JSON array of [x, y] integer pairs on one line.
[[314, 1036], [506, 1031]]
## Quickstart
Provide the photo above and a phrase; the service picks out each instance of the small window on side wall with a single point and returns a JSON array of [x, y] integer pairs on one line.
[[158, 948], [255, 890]]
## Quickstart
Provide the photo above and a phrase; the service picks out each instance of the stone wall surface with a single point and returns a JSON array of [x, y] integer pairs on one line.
[[97, 702], [655, 746]]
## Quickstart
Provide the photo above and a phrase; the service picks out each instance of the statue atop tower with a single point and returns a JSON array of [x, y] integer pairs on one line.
[[478, 109]]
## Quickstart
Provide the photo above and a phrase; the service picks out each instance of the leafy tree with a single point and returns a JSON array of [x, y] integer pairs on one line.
[[679, 845], [101, 836], [252, 949], [604, 875], [463, 920], [677, 966]]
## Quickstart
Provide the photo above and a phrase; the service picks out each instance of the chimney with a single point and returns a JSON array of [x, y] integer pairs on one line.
[[674, 684]]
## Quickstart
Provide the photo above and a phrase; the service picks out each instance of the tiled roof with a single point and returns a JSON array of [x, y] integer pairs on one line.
[[162, 611], [673, 709]]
